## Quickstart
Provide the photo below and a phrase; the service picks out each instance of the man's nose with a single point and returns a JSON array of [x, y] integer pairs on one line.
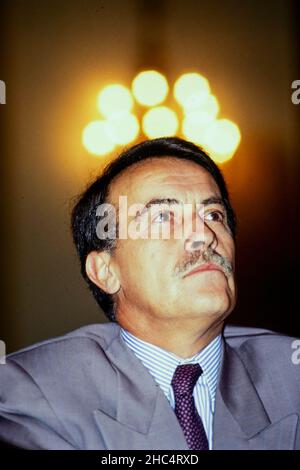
[[199, 235]]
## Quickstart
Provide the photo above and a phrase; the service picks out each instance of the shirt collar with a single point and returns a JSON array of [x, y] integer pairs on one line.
[[162, 364]]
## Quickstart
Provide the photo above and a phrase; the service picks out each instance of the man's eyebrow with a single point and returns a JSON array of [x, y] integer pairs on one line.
[[157, 202], [170, 201], [213, 200]]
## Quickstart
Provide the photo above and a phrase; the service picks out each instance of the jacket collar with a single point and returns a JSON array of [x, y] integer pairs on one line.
[[240, 419], [238, 393], [138, 415], [132, 394]]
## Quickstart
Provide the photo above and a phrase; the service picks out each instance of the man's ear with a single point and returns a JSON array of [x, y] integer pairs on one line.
[[100, 271]]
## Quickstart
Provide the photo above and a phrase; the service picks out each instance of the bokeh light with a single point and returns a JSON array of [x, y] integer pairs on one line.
[[209, 107], [150, 88], [124, 128], [190, 90], [97, 139], [160, 122], [114, 99], [195, 121], [221, 139]]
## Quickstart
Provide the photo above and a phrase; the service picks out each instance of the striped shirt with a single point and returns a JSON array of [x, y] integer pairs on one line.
[[162, 364]]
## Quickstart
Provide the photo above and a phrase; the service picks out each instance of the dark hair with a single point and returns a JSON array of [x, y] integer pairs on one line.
[[84, 220]]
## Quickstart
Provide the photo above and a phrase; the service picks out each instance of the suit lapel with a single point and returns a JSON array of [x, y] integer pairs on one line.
[[142, 417], [139, 416], [241, 421]]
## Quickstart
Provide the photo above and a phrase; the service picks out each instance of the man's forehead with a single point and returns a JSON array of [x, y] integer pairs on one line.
[[189, 179], [169, 177]]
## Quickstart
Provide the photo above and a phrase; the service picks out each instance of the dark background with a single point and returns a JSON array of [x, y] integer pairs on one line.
[[56, 56]]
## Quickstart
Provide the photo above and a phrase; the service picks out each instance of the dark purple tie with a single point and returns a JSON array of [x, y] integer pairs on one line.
[[183, 383]]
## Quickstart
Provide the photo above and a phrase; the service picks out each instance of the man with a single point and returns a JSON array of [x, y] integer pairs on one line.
[[164, 373]]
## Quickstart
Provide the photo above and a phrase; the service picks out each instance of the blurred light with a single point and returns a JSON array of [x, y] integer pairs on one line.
[[208, 106], [194, 122], [221, 139], [160, 122], [114, 99], [124, 128], [150, 88], [96, 138], [190, 90], [198, 116]]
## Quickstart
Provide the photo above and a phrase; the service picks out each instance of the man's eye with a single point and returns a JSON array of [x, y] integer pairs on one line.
[[215, 216], [164, 216]]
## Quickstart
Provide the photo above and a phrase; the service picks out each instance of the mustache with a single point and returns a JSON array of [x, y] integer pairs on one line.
[[199, 257]]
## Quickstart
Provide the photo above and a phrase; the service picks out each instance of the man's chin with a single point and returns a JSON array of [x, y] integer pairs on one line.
[[213, 308]]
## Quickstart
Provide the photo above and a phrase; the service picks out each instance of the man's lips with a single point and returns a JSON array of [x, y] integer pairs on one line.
[[204, 267]]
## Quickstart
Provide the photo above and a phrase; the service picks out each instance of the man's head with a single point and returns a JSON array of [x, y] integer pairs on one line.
[[150, 279]]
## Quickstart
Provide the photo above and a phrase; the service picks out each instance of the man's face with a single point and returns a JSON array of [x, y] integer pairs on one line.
[[156, 274]]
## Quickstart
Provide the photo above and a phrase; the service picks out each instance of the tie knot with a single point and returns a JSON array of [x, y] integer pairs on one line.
[[185, 378]]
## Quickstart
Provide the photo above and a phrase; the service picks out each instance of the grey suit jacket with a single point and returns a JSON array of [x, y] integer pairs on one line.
[[87, 390]]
